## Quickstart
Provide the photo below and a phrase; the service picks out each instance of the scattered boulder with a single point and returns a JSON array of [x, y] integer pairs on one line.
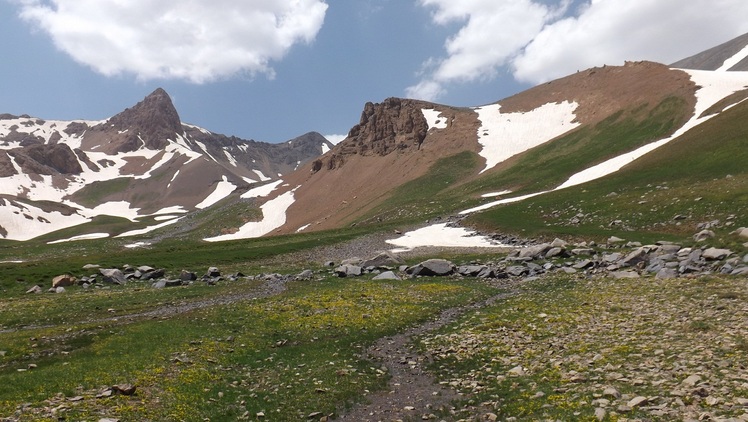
[[65, 280], [667, 273], [348, 270], [715, 254], [383, 259], [113, 275], [305, 275], [703, 235], [741, 232], [432, 267], [213, 272], [387, 275], [185, 275], [34, 290], [534, 252]]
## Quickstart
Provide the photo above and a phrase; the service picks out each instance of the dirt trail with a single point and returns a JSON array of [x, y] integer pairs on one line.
[[413, 394]]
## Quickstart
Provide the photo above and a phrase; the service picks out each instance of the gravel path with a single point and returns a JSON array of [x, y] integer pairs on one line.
[[413, 393]]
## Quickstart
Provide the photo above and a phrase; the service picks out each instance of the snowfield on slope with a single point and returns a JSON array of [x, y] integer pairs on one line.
[[504, 135], [273, 216]]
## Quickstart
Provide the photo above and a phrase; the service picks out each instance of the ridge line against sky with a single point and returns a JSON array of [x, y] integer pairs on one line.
[[273, 70]]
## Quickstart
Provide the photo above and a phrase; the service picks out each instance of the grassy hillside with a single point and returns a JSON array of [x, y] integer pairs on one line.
[[700, 177], [549, 165]]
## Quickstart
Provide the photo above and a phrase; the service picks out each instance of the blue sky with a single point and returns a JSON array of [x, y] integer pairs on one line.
[[271, 70]]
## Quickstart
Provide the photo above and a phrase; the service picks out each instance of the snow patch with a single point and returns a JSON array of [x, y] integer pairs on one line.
[[732, 61], [147, 229], [302, 228], [89, 236], [441, 235], [261, 175], [495, 194], [273, 216], [505, 135], [325, 149], [231, 158], [260, 191], [433, 118], [223, 189]]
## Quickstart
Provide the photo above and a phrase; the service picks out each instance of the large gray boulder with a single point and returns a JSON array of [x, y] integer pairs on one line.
[[64, 280], [715, 254], [113, 275], [348, 270], [432, 267], [383, 259], [534, 252]]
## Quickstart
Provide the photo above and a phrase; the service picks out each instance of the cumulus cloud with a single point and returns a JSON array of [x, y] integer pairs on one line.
[[612, 31], [198, 41], [541, 40], [492, 33]]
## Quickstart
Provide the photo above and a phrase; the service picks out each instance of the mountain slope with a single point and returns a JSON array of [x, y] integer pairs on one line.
[[407, 143], [142, 164], [730, 56]]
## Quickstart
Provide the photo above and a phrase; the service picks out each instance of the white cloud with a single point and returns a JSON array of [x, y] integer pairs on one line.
[[493, 32], [541, 40], [612, 31], [198, 40]]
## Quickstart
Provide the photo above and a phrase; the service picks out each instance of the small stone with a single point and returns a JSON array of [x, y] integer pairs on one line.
[[517, 371], [611, 392], [34, 290], [637, 401], [692, 380], [600, 414]]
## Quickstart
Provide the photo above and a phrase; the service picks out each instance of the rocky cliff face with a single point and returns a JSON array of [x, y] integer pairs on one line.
[[393, 125]]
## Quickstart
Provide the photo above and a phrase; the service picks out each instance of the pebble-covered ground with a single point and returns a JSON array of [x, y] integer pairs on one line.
[[602, 349]]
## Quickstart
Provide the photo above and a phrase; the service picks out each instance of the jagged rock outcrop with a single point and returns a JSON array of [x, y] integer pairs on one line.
[[149, 123], [394, 125]]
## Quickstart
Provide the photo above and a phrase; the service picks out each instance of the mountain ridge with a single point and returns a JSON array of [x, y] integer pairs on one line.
[[142, 161]]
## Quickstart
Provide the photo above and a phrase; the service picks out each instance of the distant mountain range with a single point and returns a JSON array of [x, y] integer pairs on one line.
[[142, 162], [142, 171]]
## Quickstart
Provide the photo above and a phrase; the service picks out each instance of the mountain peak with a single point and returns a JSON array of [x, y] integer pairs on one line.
[[153, 120]]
